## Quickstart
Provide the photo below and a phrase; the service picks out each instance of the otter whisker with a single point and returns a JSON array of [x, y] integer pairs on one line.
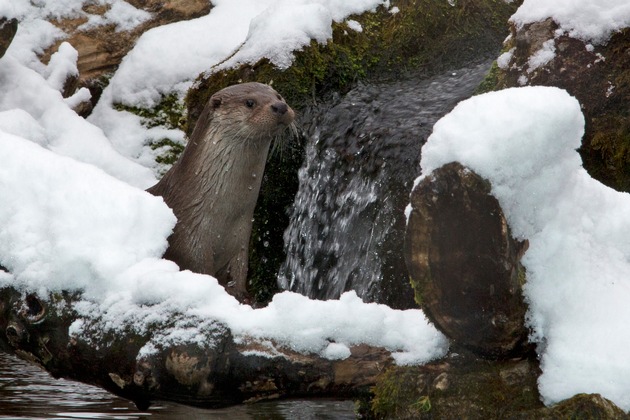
[[283, 139]]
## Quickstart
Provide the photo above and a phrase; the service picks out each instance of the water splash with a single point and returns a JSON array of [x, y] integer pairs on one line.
[[347, 224]]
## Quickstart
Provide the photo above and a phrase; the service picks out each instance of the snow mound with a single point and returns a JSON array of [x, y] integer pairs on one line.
[[524, 141]]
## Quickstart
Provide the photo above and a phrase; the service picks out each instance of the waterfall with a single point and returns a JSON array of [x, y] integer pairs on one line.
[[346, 229]]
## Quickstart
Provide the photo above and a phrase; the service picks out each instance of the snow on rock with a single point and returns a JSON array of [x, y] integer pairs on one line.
[[301, 21], [62, 65], [68, 225], [65, 132], [22, 124], [121, 14], [588, 20], [541, 57], [524, 141]]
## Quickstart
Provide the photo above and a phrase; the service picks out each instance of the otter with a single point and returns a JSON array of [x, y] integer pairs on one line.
[[214, 186]]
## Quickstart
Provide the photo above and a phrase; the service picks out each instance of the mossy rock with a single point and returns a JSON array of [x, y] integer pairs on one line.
[[457, 387], [462, 386], [423, 38], [598, 77], [581, 407]]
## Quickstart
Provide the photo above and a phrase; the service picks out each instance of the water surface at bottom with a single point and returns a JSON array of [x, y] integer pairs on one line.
[[27, 392]]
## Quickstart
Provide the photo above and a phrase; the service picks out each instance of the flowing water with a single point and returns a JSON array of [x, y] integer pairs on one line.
[[27, 392], [347, 226]]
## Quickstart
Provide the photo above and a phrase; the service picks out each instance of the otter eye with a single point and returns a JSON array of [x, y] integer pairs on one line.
[[250, 103]]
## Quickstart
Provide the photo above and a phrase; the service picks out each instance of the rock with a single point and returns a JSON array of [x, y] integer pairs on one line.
[[463, 386], [582, 406], [464, 264], [597, 75], [102, 48], [460, 386], [8, 28]]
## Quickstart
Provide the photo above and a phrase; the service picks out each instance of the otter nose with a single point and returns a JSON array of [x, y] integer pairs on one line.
[[279, 108]]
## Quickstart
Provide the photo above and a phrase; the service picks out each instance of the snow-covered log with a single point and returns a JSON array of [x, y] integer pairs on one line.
[[216, 372]]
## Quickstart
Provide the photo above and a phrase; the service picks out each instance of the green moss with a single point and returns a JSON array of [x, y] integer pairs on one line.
[[401, 392], [169, 151], [461, 386], [490, 82], [168, 113], [418, 290]]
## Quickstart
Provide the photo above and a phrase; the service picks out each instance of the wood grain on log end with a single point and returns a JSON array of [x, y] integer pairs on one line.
[[464, 263]]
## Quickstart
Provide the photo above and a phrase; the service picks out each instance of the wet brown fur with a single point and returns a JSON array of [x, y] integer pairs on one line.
[[214, 186]]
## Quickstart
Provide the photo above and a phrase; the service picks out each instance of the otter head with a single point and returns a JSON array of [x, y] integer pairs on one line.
[[254, 110]]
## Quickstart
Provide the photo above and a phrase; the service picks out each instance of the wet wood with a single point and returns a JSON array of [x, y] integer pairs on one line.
[[464, 263], [218, 373]]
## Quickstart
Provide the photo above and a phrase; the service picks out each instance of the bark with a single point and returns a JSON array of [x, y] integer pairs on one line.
[[218, 373], [8, 29], [464, 263]]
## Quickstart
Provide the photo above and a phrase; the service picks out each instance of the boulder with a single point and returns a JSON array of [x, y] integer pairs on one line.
[[597, 75], [464, 386]]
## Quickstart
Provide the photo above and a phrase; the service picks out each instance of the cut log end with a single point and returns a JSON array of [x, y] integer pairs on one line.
[[464, 263]]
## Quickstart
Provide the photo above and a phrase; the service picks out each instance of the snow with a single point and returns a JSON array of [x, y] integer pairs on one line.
[[541, 57], [74, 214], [588, 20], [524, 141], [354, 25], [58, 217], [504, 59], [121, 14]]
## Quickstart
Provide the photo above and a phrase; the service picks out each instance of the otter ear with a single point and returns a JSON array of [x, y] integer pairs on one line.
[[216, 102]]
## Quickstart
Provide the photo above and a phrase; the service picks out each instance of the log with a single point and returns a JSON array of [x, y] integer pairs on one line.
[[464, 264], [218, 373], [8, 29]]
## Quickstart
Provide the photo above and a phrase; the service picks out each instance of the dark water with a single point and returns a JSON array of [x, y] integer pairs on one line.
[[27, 392], [363, 152]]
